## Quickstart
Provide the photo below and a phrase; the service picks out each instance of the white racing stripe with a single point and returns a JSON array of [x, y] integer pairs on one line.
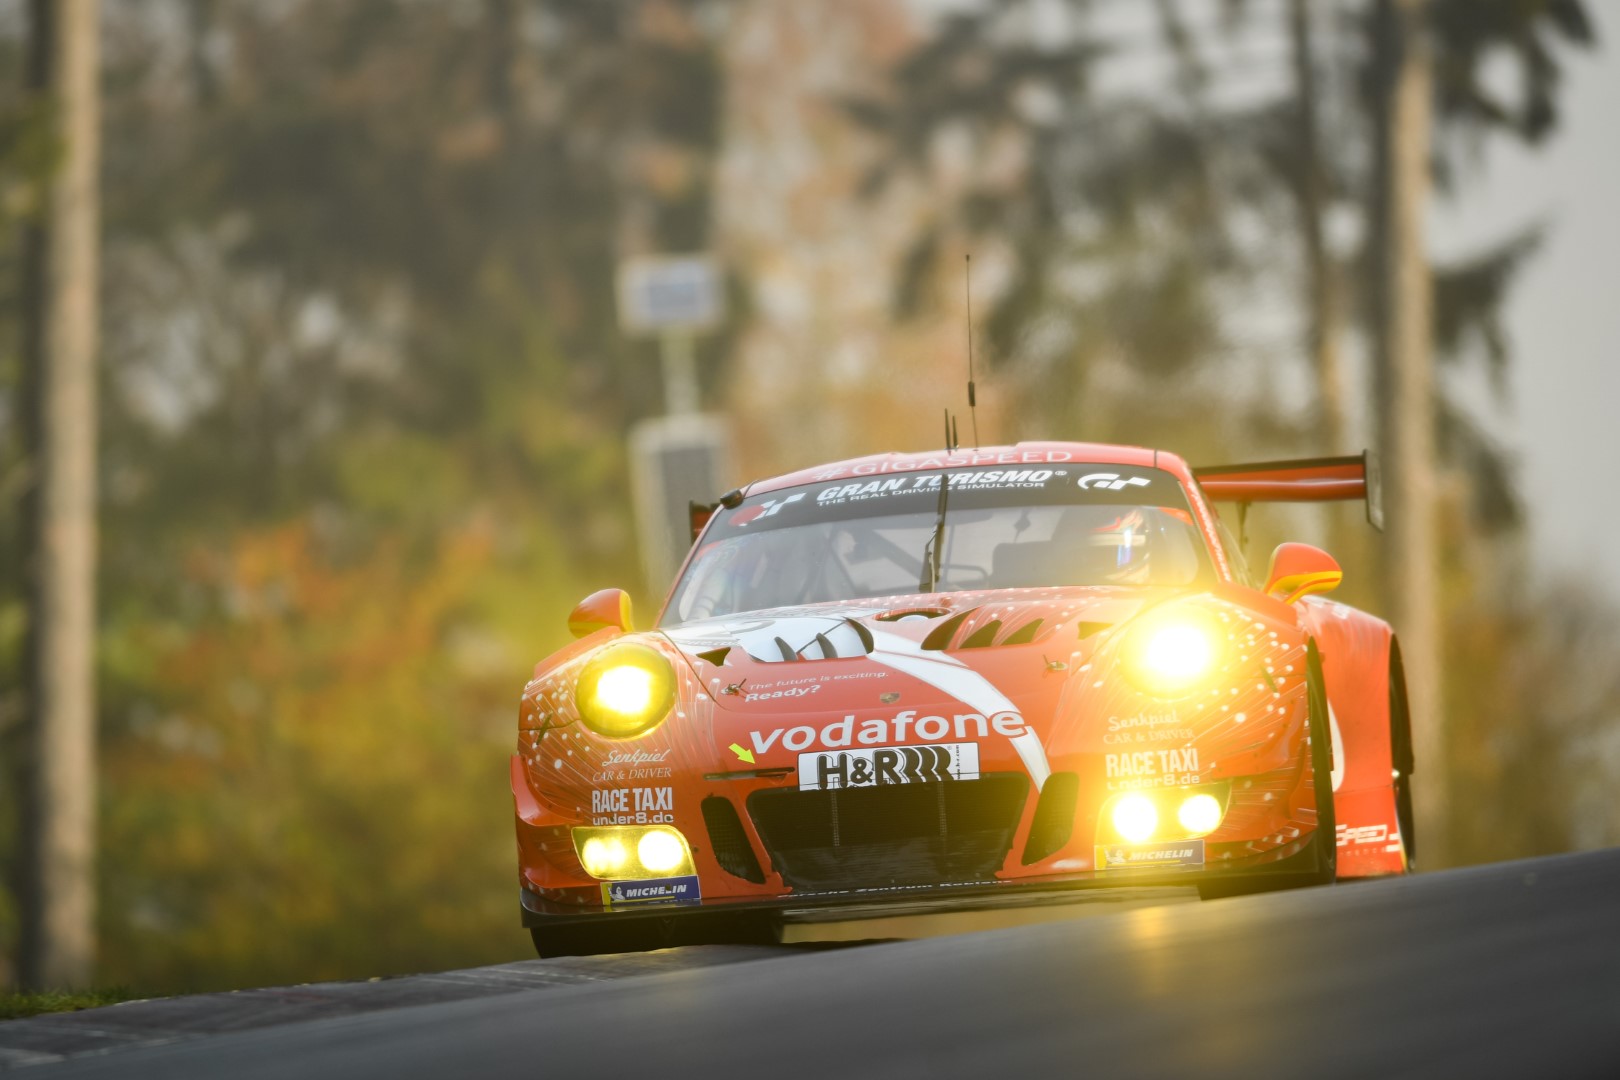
[[949, 675]]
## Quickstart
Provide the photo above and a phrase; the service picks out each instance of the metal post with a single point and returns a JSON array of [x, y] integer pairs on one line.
[[680, 374]]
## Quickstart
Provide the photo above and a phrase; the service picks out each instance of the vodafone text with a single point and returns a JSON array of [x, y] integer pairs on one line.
[[880, 732]]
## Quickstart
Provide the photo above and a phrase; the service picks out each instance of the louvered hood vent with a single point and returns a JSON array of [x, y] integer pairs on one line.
[[789, 640], [981, 628]]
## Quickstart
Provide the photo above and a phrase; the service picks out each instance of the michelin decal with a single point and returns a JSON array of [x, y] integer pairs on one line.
[[676, 890]]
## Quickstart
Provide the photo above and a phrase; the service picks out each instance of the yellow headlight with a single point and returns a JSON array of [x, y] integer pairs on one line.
[[1200, 813], [1171, 655], [1178, 653], [660, 851], [625, 691], [603, 856], [1135, 818]]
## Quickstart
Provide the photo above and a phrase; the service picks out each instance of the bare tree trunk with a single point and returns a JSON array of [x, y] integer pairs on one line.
[[1321, 291], [58, 883], [1405, 336]]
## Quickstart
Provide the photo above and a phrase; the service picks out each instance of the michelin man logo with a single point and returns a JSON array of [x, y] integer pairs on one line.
[[1107, 481]]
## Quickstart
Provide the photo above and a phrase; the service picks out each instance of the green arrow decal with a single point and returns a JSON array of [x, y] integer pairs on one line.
[[742, 755]]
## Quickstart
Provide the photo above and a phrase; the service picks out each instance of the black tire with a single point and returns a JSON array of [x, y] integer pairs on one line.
[[1326, 841], [643, 933], [1401, 756], [1318, 862]]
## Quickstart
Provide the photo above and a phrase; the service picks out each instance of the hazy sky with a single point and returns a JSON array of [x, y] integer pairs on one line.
[[1564, 314]]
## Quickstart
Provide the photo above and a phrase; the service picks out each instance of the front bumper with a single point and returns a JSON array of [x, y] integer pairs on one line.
[[1299, 864]]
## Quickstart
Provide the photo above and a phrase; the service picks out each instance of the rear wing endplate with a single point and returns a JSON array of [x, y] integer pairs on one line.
[[1331, 479], [698, 515]]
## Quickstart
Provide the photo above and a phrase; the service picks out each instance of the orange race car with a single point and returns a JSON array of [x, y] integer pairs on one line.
[[962, 678]]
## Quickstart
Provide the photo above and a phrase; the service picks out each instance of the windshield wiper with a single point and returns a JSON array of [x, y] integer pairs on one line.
[[934, 549]]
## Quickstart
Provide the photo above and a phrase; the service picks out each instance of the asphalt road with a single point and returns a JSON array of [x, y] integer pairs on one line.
[[1510, 970]]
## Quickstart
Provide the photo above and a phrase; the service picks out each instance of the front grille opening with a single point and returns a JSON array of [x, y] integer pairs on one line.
[[949, 832], [1054, 817], [729, 840]]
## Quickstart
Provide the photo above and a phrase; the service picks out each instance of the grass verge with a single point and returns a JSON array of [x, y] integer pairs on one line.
[[18, 1004]]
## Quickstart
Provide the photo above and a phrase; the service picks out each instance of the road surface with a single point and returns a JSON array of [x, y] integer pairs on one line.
[[1510, 970]]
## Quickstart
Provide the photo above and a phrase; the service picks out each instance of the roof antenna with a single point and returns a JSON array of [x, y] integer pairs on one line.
[[950, 443], [967, 289]]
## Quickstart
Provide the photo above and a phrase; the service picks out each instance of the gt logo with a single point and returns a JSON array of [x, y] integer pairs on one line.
[[772, 506], [1107, 481], [764, 509]]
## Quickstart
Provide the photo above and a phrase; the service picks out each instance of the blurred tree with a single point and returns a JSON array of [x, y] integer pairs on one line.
[[1134, 263], [59, 320], [314, 794], [1412, 40], [1320, 283], [27, 157], [1403, 335], [1115, 216], [362, 431]]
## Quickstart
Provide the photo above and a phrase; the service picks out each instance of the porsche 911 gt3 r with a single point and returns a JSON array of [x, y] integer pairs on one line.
[[917, 680]]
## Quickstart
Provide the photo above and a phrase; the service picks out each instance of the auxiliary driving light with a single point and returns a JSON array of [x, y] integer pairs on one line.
[[603, 856], [1200, 813], [1170, 655], [632, 852], [1136, 818], [625, 691], [660, 851]]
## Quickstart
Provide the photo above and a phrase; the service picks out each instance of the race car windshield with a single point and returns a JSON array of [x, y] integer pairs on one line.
[[1006, 528]]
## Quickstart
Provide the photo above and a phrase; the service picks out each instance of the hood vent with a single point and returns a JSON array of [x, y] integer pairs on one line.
[[984, 635], [790, 640], [903, 614], [963, 631], [939, 638], [1024, 634]]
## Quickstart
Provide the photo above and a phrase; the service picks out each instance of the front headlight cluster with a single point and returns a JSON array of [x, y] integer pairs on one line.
[[625, 691], [1139, 817], [1173, 653], [632, 852]]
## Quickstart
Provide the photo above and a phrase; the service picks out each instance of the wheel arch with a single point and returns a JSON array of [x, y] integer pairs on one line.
[[1365, 685]]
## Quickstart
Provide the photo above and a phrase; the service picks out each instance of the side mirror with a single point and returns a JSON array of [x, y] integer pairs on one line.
[[1298, 570], [606, 607]]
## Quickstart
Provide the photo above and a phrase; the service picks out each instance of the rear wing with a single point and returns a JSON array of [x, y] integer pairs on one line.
[[698, 515], [1331, 479]]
